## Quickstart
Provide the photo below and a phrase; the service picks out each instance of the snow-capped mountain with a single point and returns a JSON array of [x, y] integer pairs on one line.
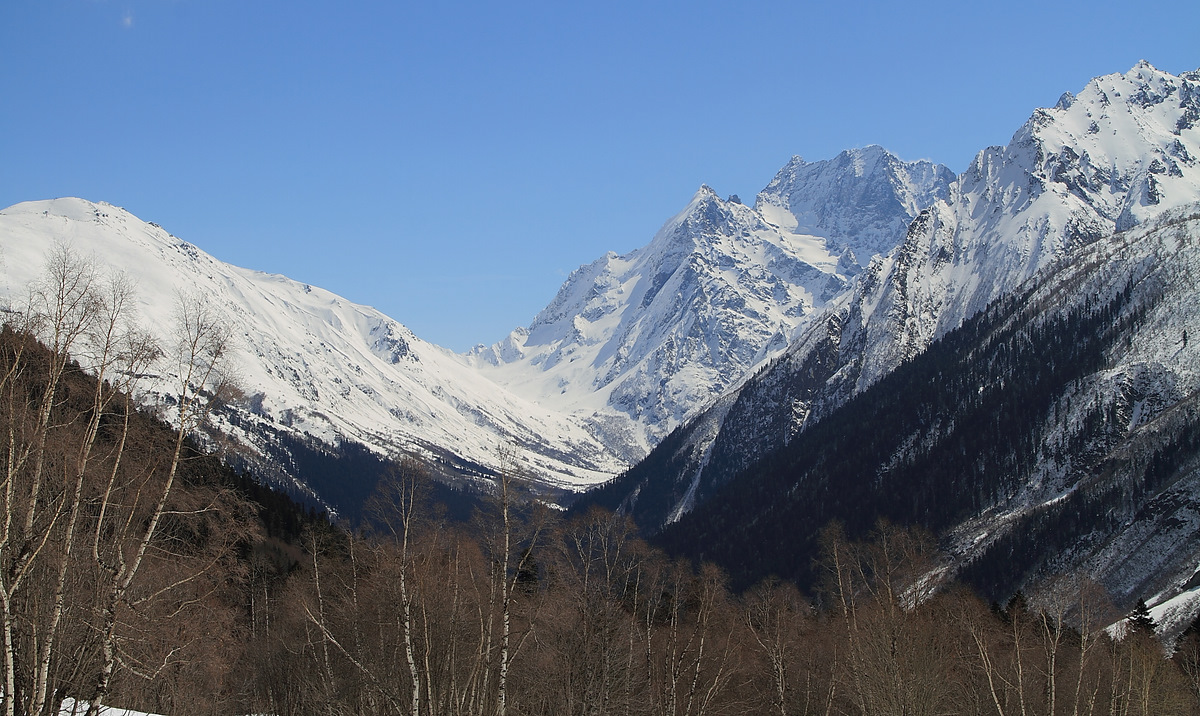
[[1123, 151], [743, 334], [634, 344], [311, 362]]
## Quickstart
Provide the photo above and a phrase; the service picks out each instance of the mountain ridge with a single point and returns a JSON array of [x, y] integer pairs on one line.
[[718, 267], [665, 329]]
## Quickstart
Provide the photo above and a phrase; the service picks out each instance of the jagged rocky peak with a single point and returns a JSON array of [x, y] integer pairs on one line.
[[707, 209], [1115, 146], [705, 217], [637, 342], [594, 290], [861, 200]]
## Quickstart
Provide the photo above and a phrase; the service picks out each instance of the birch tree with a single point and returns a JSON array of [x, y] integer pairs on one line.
[[84, 324], [131, 512], [513, 534]]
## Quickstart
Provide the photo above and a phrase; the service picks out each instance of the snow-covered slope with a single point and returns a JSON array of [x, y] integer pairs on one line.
[[1121, 152], [310, 361], [1126, 433], [634, 344]]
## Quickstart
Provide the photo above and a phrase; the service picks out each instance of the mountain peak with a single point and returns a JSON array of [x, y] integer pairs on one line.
[[704, 201], [862, 200], [1144, 66], [705, 215], [69, 207]]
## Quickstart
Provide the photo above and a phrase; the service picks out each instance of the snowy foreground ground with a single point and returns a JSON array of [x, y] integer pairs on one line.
[[71, 707], [78, 708]]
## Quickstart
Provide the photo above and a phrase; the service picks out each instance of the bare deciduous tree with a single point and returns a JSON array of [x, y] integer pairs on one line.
[[130, 515]]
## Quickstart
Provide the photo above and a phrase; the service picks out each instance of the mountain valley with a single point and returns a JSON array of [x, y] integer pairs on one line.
[[999, 356]]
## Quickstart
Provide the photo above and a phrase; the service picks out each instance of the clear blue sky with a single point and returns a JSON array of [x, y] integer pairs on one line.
[[451, 162]]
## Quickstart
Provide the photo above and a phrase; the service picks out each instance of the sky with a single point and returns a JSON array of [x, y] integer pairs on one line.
[[450, 163]]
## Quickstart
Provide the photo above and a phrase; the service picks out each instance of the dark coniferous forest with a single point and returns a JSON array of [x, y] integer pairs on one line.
[[944, 436]]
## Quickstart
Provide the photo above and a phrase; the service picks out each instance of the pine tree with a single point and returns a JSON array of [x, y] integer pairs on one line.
[[1140, 621]]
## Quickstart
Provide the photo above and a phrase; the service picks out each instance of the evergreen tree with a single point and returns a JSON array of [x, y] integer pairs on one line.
[[1140, 621]]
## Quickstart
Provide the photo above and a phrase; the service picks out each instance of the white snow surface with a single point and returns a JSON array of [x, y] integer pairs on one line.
[[310, 361], [71, 707]]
